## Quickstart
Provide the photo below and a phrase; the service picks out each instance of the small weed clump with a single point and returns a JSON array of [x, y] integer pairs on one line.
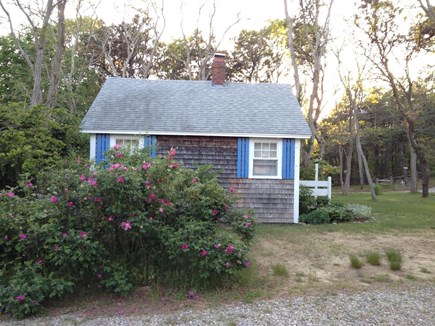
[[373, 258], [280, 270], [355, 262], [395, 258], [424, 270]]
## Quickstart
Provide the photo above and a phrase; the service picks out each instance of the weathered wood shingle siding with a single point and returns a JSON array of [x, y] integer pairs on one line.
[[271, 199]]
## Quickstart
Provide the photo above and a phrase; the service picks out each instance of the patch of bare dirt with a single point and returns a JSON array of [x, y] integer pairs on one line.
[[321, 260]]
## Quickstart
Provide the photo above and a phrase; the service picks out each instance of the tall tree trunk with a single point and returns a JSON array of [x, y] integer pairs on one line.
[[349, 157], [57, 60], [360, 168], [363, 157], [340, 155], [413, 170]]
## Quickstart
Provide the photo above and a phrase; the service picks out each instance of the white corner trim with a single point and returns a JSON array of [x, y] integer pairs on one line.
[[296, 181], [93, 147]]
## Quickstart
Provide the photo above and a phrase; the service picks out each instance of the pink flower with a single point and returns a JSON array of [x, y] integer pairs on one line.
[[229, 249], [121, 179], [161, 210], [53, 199], [148, 184], [119, 154], [11, 194], [172, 152], [166, 202], [28, 184], [184, 246], [203, 252], [55, 247], [228, 264], [22, 236], [64, 234], [70, 204], [38, 261], [115, 166], [194, 180], [215, 212], [247, 263], [82, 177], [246, 216], [97, 200], [116, 147], [174, 166], [247, 225], [92, 181], [126, 225], [83, 234], [216, 245], [232, 189], [110, 218], [20, 297], [151, 197], [146, 166]]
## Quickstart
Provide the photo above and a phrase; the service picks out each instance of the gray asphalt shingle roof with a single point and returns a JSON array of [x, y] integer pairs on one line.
[[126, 105]]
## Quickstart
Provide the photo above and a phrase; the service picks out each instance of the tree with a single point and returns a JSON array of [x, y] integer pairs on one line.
[[260, 56], [380, 26], [40, 29], [314, 30], [190, 56], [35, 137]]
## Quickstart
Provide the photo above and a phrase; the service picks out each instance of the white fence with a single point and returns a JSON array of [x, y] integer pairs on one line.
[[319, 188]]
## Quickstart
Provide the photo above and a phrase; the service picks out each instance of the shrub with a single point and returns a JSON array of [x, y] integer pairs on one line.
[[307, 202], [280, 270], [395, 259], [337, 213], [359, 212], [130, 220], [318, 216], [373, 258], [355, 262]]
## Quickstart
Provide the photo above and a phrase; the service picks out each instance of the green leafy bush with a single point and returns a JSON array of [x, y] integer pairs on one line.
[[128, 221], [318, 216], [307, 202], [359, 212]]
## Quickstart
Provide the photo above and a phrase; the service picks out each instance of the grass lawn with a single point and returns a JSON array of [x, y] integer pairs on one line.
[[300, 259]]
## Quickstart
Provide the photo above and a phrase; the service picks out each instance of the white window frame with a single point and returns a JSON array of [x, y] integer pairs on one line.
[[113, 139], [278, 143]]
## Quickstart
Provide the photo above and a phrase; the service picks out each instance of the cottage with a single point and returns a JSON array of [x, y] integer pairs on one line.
[[249, 132]]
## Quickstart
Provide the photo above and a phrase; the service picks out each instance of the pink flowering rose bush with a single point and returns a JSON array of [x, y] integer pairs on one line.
[[123, 223]]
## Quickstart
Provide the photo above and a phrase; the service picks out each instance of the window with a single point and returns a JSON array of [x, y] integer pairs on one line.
[[127, 142], [133, 142], [265, 158]]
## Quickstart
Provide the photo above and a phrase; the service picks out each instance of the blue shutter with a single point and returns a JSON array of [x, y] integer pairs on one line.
[[102, 146], [242, 157], [150, 141], [288, 158]]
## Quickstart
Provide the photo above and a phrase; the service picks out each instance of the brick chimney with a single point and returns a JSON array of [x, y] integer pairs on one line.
[[218, 69]]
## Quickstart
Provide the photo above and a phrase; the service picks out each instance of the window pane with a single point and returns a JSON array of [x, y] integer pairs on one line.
[[257, 153], [257, 146], [265, 168], [120, 142], [272, 154], [273, 146]]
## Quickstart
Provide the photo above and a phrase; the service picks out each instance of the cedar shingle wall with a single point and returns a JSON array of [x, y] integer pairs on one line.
[[272, 200]]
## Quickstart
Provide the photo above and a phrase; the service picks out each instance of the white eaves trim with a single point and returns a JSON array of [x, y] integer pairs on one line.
[[162, 133]]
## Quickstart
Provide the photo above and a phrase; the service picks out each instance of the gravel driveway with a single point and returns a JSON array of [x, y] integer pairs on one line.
[[414, 306]]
